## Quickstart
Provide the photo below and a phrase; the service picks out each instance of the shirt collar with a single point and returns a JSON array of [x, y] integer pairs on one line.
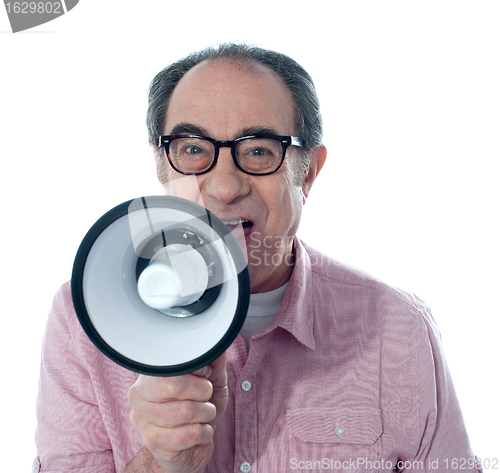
[[296, 314]]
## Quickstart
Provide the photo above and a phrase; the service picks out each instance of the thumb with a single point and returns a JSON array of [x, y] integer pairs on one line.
[[204, 372], [218, 377]]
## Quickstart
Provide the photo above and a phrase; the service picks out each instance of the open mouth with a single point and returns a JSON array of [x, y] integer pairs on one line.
[[233, 224], [240, 228]]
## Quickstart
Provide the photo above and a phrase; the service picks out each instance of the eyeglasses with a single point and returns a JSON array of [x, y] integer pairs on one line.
[[257, 155]]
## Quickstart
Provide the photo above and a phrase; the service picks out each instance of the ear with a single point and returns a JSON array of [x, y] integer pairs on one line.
[[317, 159]]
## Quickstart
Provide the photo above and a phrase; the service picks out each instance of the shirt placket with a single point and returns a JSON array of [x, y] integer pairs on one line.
[[246, 434]]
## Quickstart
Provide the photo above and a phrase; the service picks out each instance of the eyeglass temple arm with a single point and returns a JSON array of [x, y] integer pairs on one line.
[[296, 141]]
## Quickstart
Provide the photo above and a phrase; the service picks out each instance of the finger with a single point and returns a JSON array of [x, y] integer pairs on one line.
[[204, 372], [218, 376], [185, 387], [214, 368], [174, 413], [177, 439], [219, 363]]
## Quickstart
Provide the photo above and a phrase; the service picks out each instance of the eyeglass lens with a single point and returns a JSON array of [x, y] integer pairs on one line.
[[255, 155]]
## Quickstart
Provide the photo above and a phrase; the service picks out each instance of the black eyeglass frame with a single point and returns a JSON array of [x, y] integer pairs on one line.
[[286, 141]]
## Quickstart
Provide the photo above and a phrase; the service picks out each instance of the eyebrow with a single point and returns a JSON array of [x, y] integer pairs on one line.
[[190, 129], [257, 130]]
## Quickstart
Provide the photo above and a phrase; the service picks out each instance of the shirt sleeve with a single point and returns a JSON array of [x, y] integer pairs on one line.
[[443, 440], [71, 435]]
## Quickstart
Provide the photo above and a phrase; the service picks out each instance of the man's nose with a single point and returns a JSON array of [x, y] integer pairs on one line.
[[226, 182]]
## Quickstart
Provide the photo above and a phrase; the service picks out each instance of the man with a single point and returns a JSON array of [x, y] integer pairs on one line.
[[333, 369]]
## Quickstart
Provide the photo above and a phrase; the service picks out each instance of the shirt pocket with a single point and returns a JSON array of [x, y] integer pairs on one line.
[[341, 439]]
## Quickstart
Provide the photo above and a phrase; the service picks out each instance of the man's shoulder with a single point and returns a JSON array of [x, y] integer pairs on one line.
[[355, 295], [329, 272]]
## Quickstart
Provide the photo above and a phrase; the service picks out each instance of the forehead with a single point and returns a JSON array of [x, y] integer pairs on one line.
[[224, 97]]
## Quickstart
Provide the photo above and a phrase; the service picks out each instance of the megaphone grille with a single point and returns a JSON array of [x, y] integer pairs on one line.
[[107, 303]]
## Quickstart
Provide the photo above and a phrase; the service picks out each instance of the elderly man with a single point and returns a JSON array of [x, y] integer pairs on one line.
[[333, 369]]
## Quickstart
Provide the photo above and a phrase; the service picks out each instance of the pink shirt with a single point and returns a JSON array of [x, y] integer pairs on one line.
[[351, 377]]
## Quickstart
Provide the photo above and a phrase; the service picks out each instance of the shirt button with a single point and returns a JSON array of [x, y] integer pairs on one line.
[[339, 431], [245, 467], [246, 386]]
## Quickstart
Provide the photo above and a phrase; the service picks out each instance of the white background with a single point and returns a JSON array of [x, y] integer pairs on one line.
[[411, 102]]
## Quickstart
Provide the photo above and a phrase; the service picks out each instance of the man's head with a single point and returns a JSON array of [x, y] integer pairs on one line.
[[225, 94], [307, 117]]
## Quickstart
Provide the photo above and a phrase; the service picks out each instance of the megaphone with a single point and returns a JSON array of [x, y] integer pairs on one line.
[[160, 286]]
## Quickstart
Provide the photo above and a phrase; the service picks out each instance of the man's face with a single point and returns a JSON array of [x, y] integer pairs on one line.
[[224, 101]]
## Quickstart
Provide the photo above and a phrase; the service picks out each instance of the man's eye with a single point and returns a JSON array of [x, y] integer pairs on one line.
[[193, 150], [258, 152]]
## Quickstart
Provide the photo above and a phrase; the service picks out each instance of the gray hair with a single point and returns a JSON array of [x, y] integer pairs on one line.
[[308, 120]]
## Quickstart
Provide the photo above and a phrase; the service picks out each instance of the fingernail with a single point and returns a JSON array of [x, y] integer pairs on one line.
[[207, 371]]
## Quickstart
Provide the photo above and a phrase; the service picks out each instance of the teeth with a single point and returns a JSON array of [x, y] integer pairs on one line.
[[234, 222]]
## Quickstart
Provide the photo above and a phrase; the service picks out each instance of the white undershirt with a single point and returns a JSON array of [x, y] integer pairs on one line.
[[262, 312]]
